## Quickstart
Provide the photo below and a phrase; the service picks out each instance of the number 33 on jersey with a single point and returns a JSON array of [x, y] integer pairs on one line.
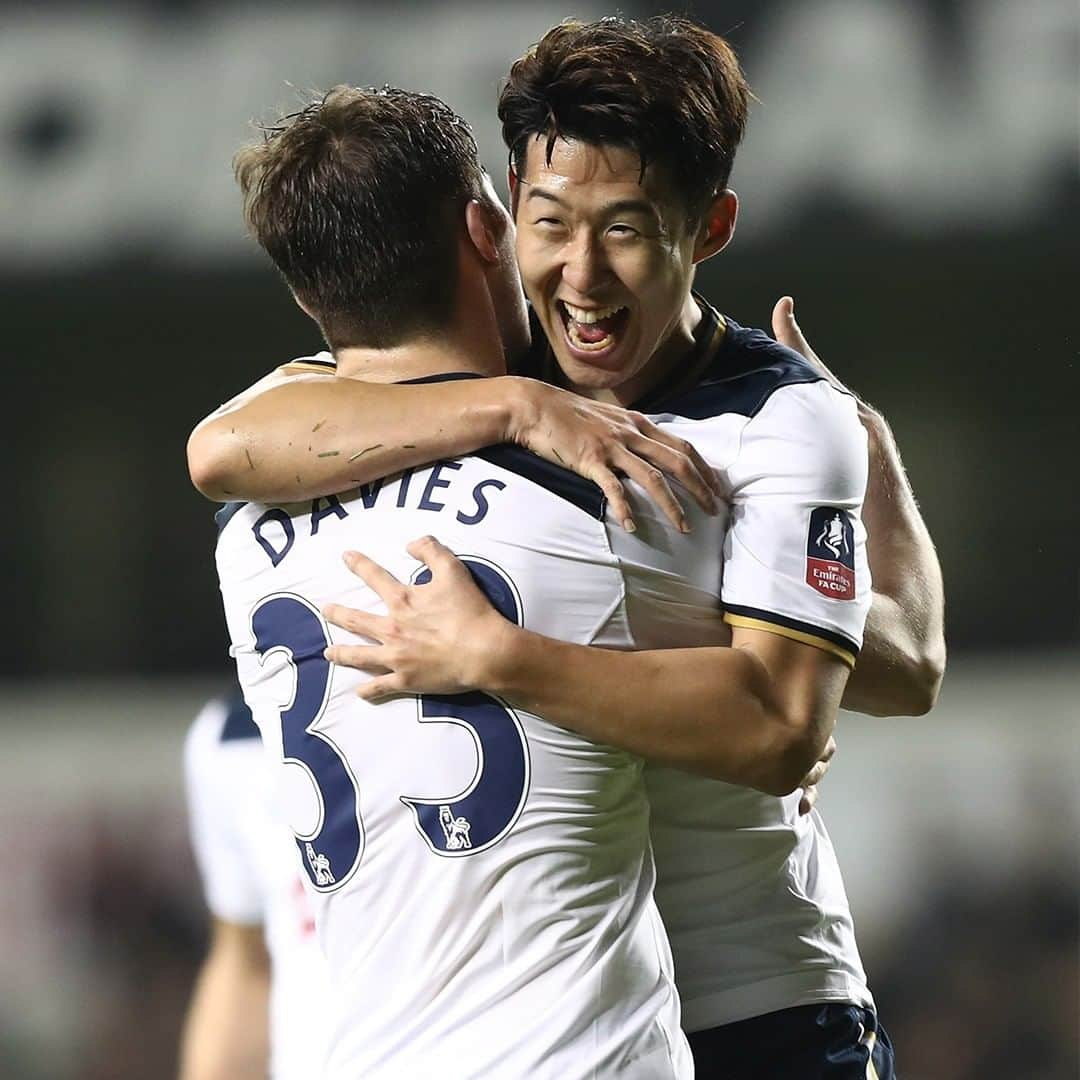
[[481, 879]]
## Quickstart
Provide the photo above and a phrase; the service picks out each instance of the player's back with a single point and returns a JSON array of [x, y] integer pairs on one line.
[[483, 878]]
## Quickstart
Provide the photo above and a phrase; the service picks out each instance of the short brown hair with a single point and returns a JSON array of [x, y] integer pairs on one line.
[[666, 88], [357, 200]]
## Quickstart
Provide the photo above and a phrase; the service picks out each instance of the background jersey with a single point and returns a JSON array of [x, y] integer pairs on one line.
[[482, 879], [249, 873], [751, 891]]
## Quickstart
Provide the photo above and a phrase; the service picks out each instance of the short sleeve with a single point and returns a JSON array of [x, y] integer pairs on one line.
[[795, 550], [219, 775]]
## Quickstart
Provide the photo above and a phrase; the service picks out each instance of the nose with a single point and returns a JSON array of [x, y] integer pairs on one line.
[[585, 265]]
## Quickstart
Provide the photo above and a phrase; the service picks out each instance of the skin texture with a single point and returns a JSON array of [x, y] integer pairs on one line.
[[590, 234], [902, 662], [226, 1032], [759, 713]]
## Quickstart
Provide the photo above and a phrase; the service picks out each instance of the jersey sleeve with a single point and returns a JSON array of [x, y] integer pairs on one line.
[[215, 781], [795, 550]]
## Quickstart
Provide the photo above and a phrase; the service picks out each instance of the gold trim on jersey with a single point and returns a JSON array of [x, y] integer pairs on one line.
[[295, 366], [795, 635]]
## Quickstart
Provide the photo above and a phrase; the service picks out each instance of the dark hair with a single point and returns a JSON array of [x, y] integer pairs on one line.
[[666, 88], [357, 198]]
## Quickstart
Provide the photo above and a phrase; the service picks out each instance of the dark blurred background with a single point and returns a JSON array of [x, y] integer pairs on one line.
[[910, 176]]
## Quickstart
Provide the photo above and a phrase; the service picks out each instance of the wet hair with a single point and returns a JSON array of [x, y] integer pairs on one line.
[[665, 88], [357, 199]]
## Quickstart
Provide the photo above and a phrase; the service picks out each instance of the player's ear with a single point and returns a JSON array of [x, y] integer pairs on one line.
[[717, 225], [482, 230], [514, 186], [303, 307]]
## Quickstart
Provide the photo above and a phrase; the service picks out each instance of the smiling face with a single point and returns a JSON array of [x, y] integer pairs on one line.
[[607, 258]]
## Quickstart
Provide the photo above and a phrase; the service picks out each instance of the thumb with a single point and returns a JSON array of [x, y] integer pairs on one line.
[[784, 327]]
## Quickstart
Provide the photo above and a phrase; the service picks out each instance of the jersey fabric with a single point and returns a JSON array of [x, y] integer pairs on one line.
[[248, 868], [482, 879], [750, 891]]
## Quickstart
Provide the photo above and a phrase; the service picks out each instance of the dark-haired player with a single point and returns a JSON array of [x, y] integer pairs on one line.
[[623, 136]]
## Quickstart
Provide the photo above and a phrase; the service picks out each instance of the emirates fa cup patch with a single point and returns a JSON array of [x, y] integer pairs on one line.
[[830, 553]]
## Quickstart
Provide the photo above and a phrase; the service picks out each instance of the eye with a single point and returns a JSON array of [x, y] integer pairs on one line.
[[621, 231]]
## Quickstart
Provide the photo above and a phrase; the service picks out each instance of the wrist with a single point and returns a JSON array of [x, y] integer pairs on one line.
[[495, 655], [520, 400]]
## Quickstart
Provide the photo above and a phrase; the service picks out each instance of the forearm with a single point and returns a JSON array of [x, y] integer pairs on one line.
[[306, 438], [710, 710], [903, 655], [225, 1034]]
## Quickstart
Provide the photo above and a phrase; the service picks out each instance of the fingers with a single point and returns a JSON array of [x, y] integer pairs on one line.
[[615, 494], [363, 623], [808, 800], [656, 487], [682, 446], [361, 657], [380, 581], [694, 475], [437, 557], [380, 688]]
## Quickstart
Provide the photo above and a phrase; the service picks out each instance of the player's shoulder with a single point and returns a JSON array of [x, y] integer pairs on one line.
[[744, 371], [222, 722]]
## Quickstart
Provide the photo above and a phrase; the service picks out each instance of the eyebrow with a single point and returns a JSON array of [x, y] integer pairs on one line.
[[620, 206]]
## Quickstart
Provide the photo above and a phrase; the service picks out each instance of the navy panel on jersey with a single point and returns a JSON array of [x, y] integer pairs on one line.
[[746, 370], [239, 723]]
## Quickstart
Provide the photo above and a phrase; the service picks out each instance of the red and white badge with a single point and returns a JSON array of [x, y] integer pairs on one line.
[[830, 553]]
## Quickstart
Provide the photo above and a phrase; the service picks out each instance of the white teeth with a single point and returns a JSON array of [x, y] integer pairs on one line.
[[590, 315]]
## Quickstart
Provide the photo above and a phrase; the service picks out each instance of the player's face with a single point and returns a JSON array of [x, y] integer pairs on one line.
[[607, 259]]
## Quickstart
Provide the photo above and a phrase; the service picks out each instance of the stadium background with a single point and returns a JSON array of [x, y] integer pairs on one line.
[[910, 177]]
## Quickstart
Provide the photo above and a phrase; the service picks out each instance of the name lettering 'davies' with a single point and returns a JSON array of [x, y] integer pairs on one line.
[[275, 530]]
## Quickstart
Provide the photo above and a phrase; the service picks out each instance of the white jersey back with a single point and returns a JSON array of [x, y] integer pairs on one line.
[[250, 876], [750, 891], [482, 879]]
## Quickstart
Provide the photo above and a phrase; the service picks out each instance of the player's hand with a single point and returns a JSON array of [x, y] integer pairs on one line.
[[434, 637], [603, 442], [787, 331], [814, 777]]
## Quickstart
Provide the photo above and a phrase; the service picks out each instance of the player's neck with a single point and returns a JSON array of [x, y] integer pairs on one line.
[[457, 348]]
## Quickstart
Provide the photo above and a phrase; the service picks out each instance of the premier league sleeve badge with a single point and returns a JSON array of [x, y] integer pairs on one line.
[[830, 553]]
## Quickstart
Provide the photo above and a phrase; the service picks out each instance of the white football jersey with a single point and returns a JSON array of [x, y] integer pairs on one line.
[[249, 873], [750, 891], [482, 879]]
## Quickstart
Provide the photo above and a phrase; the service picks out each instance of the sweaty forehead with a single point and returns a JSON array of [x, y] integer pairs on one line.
[[592, 175]]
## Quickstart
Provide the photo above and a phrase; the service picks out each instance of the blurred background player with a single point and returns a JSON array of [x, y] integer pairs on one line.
[[261, 1004]]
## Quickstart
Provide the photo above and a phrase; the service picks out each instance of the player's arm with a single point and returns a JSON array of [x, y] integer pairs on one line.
[[758, 714], [297, 436], [226, 1032], [903, 653]]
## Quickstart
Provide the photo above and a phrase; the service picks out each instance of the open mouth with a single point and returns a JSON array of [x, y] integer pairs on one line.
[[593, 330]]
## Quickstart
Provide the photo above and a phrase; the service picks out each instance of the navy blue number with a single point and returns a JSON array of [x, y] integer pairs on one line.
[[332, 851], [485, 811]]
